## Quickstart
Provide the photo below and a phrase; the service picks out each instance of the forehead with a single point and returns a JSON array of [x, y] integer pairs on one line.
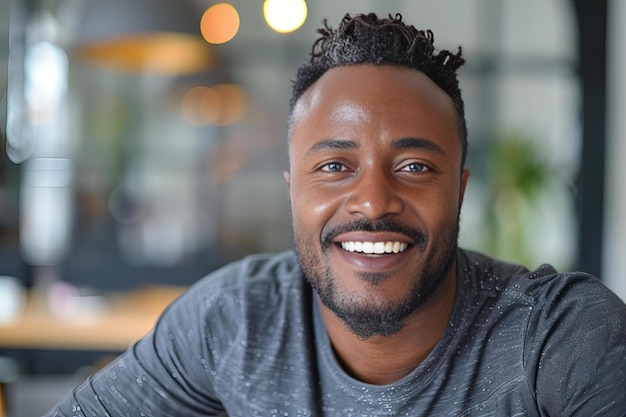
[[383, 98]]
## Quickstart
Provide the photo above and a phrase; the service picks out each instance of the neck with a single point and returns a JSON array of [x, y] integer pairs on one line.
[[382, 360]]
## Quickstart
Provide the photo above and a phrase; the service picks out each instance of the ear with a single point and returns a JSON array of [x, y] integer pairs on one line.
[[287, 178], [464, 178]]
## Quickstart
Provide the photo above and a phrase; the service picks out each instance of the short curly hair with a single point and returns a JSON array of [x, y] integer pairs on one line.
[[368, 39]]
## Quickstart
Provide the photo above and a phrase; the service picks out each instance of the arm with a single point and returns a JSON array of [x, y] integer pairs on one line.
[[166, 373]]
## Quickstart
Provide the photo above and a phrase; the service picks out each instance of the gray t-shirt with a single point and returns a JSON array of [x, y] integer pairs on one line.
[[248, 341]]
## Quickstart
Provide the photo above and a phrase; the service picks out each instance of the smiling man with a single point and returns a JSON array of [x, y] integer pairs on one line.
[[376, 187], [376, 312]]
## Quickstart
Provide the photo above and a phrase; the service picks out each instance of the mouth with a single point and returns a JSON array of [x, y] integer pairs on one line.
[[374, 248]]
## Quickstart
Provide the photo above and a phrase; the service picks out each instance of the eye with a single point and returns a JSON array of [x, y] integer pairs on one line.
[[333, 167], [414, 167]]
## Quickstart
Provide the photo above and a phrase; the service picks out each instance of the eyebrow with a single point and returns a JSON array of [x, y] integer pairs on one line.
[[419, 143], [332, 144], [404, 143]]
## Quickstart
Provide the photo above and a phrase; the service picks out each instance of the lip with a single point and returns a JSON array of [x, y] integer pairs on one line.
[[373, 237], [373, 262]]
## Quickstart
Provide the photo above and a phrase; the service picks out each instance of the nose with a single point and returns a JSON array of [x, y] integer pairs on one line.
[[374, 195]]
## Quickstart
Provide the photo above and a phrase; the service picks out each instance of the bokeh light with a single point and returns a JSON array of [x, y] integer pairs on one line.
[[201, 106], [285, 16], [219, 23], [221, 104], [233, 102]]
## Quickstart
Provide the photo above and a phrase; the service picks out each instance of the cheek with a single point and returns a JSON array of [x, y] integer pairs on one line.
[[312, 208], [322, 208], [437, 209]]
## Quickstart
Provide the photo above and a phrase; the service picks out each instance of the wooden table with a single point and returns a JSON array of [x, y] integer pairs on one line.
[[110, 322], [115, 322]]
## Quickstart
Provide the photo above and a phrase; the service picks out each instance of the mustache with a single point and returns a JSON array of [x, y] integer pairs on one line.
[[416, 235]]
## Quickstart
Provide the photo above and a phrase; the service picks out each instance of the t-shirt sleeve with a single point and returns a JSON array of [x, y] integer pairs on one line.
[[167, 373], [577, 350]]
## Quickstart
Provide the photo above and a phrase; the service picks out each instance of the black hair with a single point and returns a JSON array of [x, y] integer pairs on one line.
[[368, 39]]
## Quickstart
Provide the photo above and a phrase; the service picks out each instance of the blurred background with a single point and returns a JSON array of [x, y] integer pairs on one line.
[[143, 145]]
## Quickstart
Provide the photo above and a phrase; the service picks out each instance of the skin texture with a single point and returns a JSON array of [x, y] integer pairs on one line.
[[375, 156]]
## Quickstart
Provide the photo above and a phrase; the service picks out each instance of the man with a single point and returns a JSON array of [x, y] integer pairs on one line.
[[377, 313]]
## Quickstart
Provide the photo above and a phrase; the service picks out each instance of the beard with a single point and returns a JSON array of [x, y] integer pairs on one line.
[[368, 319]]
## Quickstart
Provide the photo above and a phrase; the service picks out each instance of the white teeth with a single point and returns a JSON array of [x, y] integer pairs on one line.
[[374, 247], [379, 247]]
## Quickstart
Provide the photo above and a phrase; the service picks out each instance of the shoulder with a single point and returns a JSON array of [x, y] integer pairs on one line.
[[236, 302], [573, 330], [576, 346], [253, 270], [571, 327], [556, 307], [260, 276], [544, 287], [252, 288]]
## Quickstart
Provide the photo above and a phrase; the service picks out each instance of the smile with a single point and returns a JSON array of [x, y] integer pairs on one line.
[[374, 247]]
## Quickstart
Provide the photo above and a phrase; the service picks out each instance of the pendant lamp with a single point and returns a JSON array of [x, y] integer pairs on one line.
[[145, 36]]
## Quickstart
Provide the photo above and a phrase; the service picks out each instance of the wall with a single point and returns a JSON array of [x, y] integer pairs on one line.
[[615, 223]]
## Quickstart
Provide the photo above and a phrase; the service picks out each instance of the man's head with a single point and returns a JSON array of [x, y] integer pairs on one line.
[[367, 39], [374, 182]]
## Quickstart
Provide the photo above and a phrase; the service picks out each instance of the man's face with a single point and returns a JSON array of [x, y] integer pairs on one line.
[[375, 189]]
